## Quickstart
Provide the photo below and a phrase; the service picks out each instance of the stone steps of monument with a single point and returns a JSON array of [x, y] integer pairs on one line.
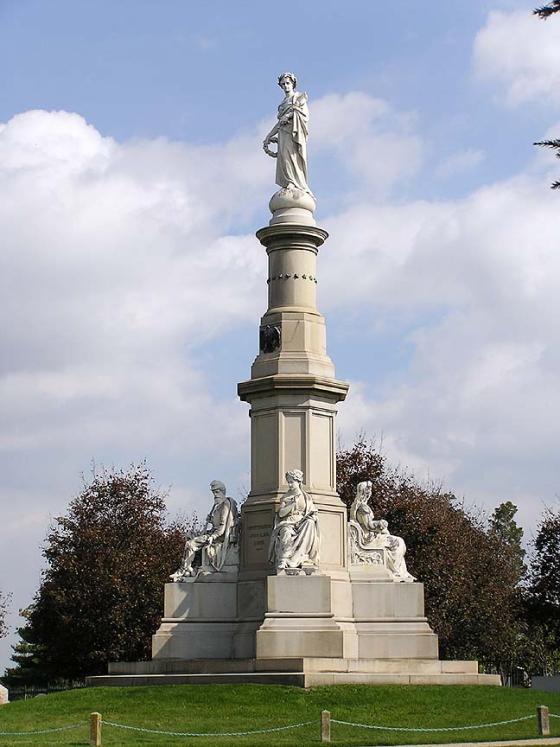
[[318, 679], [294, 665], [297, 679]]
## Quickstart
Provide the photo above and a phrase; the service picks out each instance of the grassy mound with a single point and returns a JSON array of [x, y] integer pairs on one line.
[[222, 708]]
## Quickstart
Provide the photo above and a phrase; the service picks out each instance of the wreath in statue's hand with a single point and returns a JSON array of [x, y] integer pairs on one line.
[[271, 153]]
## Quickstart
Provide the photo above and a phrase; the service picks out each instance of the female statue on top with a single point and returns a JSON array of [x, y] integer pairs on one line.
[[290, 133]]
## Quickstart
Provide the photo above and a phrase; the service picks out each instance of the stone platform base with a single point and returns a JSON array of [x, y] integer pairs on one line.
[[303, 672]]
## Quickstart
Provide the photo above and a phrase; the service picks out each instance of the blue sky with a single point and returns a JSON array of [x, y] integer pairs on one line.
[[131, 184], [139, 69]]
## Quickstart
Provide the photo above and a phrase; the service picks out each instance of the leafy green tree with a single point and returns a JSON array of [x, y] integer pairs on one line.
[[545, 563], [472, 599], [28, 657], [510, 535], [544, 12], [543, 592], [555, 146], [100, 597]]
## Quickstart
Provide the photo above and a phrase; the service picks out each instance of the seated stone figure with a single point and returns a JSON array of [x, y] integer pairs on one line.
[[294, 542], [217, 543], [370, 540]]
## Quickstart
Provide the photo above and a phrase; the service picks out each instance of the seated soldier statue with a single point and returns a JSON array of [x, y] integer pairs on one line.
[[216, 543]]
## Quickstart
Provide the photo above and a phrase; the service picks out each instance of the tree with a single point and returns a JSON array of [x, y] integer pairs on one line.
[[545, 12], [472, 599], [553, 145], [28, 656], [543, 593], [506, 530], [4, 599], [100, 596]]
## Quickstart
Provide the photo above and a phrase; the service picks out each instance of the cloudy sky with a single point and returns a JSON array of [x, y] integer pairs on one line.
[[132, 181]]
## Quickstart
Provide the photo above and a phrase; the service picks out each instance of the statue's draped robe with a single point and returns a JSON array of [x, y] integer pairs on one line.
[[291, 162], [295, 537]]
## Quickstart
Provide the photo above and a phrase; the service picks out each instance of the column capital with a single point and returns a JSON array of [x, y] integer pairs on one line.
[[297, 236]]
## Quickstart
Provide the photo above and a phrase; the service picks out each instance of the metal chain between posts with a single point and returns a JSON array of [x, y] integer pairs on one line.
[[443, 728], [271, 729], [41, 731], [206, 733]]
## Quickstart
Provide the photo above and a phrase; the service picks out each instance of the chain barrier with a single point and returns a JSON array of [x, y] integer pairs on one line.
[[42, 731], [443, 728], [206, 733], [271, 729]]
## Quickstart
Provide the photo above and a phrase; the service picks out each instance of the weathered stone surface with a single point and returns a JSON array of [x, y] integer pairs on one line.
[[3, 694]]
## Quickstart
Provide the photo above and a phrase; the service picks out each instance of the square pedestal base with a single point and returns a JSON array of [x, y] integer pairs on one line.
[[295, 630]]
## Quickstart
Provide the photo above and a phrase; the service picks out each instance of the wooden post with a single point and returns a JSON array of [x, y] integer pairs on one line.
[[325, 726], [95, 730], [543, 722]]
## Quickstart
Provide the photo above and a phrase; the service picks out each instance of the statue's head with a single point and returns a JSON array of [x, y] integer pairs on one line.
[[218, 488], [287, 82], [363, 490], [294, 475]]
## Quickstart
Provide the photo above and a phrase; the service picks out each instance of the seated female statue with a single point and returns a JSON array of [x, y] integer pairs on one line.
[[294, 542], [368, 534]]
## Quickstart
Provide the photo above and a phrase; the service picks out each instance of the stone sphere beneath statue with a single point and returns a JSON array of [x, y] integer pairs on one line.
[[292, 206]]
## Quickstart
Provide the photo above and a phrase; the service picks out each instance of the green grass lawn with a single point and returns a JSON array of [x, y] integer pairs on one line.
[[216, 708]]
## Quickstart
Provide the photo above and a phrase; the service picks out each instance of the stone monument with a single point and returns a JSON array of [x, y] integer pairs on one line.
[[293, 591]]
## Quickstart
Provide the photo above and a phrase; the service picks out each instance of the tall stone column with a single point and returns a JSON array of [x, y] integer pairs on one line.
[[293, 394]]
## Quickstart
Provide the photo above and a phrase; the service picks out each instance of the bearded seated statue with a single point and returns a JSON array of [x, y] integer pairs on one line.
[[216, 548], [370, 540]]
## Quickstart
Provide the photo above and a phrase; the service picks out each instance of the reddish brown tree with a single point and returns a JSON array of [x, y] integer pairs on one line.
[[470, 575], [100, 597]]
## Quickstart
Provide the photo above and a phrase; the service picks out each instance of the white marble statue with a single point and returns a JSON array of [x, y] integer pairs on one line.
[[290, 134], [294, 542], [370, 540], [217, 542]]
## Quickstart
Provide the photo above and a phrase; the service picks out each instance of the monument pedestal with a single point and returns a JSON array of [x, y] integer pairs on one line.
[[316, 630]]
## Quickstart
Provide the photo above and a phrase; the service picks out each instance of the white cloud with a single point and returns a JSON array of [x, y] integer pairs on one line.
[[372, 142], [474, 281], [521, 54], [116, 262]]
